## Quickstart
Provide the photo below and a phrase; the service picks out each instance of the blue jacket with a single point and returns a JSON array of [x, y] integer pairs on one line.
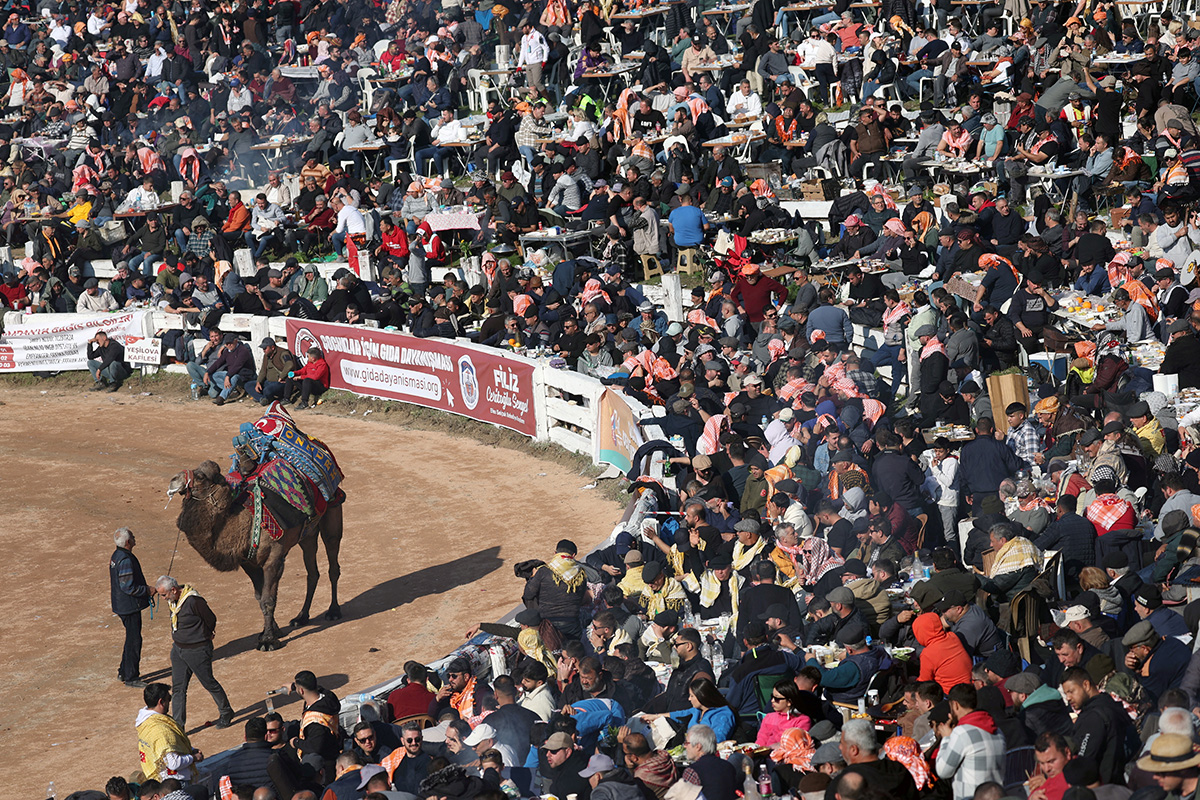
[[834, 321], [1168, 663], [720, 719], [984, 463], [594, 715], [129, 591]]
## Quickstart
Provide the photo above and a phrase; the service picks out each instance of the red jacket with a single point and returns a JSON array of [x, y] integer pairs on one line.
[[317, 370], [944, 658], [757, 296], [396, 242]]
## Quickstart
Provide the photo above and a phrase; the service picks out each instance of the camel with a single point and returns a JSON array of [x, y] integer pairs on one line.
[[221, 535]]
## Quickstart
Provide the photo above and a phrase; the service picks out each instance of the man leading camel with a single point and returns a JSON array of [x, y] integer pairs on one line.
[[192, 627]]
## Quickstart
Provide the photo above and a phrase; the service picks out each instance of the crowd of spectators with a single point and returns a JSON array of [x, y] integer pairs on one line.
[[879, 610]]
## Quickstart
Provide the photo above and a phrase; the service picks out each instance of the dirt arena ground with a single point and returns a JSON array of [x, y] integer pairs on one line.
[[434, 524]]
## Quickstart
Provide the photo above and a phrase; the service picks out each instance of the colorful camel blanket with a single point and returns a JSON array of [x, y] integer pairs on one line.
[[275, 437]]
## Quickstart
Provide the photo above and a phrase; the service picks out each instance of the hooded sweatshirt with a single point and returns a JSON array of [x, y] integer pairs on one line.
[[943, 659]]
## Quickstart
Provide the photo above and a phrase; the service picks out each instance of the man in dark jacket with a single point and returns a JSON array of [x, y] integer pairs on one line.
[[1103, 731], [985, 462], [718, 778], [349, 765], [1039, 707], [558, 589], [247, 765], [610, 782], [1183, 354], [192, 626], [106, 360], [896, 474], [999, 339], [130, 595], [319, 724], [559, 764], [232, 370], [1072, 535], [762, 593], [1161, 662], [511, 721], [948, 576]]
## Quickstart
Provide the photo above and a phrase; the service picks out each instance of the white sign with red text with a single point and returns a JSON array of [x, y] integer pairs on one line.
[[58, 342]]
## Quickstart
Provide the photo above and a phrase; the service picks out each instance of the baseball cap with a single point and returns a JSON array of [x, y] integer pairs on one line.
[[596, 764], [366, 773], [558, 741], [266, 342], [1074, 613], [776, 610], [482, 731]]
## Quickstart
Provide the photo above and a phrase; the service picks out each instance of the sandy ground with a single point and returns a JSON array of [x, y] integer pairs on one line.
[[433, 526]]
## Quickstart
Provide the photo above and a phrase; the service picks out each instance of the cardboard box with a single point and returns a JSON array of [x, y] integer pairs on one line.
[[1117, 218], [1005, 390], [823, 189]]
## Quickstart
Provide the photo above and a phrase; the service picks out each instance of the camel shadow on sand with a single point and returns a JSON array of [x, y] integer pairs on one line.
[[385, 596]]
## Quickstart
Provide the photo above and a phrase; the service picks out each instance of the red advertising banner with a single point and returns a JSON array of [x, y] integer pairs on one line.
[[426, 372]]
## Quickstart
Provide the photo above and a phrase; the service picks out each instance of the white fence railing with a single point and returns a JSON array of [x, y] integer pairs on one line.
[[566, 403]]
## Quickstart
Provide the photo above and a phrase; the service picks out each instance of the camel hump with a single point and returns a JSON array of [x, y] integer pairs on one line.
[[292, 487], [275, 436]]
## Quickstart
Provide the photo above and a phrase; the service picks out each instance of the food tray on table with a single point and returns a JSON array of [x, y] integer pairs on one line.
[[1149, 355], [955, 433], [1084, 310], [772, 236]]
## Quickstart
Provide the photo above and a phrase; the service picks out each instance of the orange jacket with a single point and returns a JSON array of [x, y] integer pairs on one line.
[[239, 219], [944, 658]]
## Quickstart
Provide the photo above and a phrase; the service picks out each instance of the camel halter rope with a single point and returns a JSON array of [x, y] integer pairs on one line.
[[187, 488]]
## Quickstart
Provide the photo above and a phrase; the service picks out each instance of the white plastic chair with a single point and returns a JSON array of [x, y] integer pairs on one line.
[[482, 92]]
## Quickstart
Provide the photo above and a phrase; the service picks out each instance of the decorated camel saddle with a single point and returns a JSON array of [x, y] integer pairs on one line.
[[288, 476]]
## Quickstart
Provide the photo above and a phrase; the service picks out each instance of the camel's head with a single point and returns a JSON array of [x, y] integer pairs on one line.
[[186, 482]]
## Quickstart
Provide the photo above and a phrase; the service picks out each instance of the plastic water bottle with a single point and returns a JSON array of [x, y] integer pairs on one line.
[[763, 421], [195, 391], [51, 793]]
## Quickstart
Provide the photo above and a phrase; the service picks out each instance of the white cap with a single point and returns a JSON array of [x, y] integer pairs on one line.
[[481, 732], [1071, 614]]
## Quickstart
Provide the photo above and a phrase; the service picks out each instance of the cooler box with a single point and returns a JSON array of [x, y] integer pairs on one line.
[[1055, 363]]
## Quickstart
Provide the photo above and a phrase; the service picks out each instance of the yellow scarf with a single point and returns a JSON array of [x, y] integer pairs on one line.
[[743, 556], [670, 596], [530, 643], [632, 584], [709, 589], [566, 571], [184, 593], [158, 735]]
